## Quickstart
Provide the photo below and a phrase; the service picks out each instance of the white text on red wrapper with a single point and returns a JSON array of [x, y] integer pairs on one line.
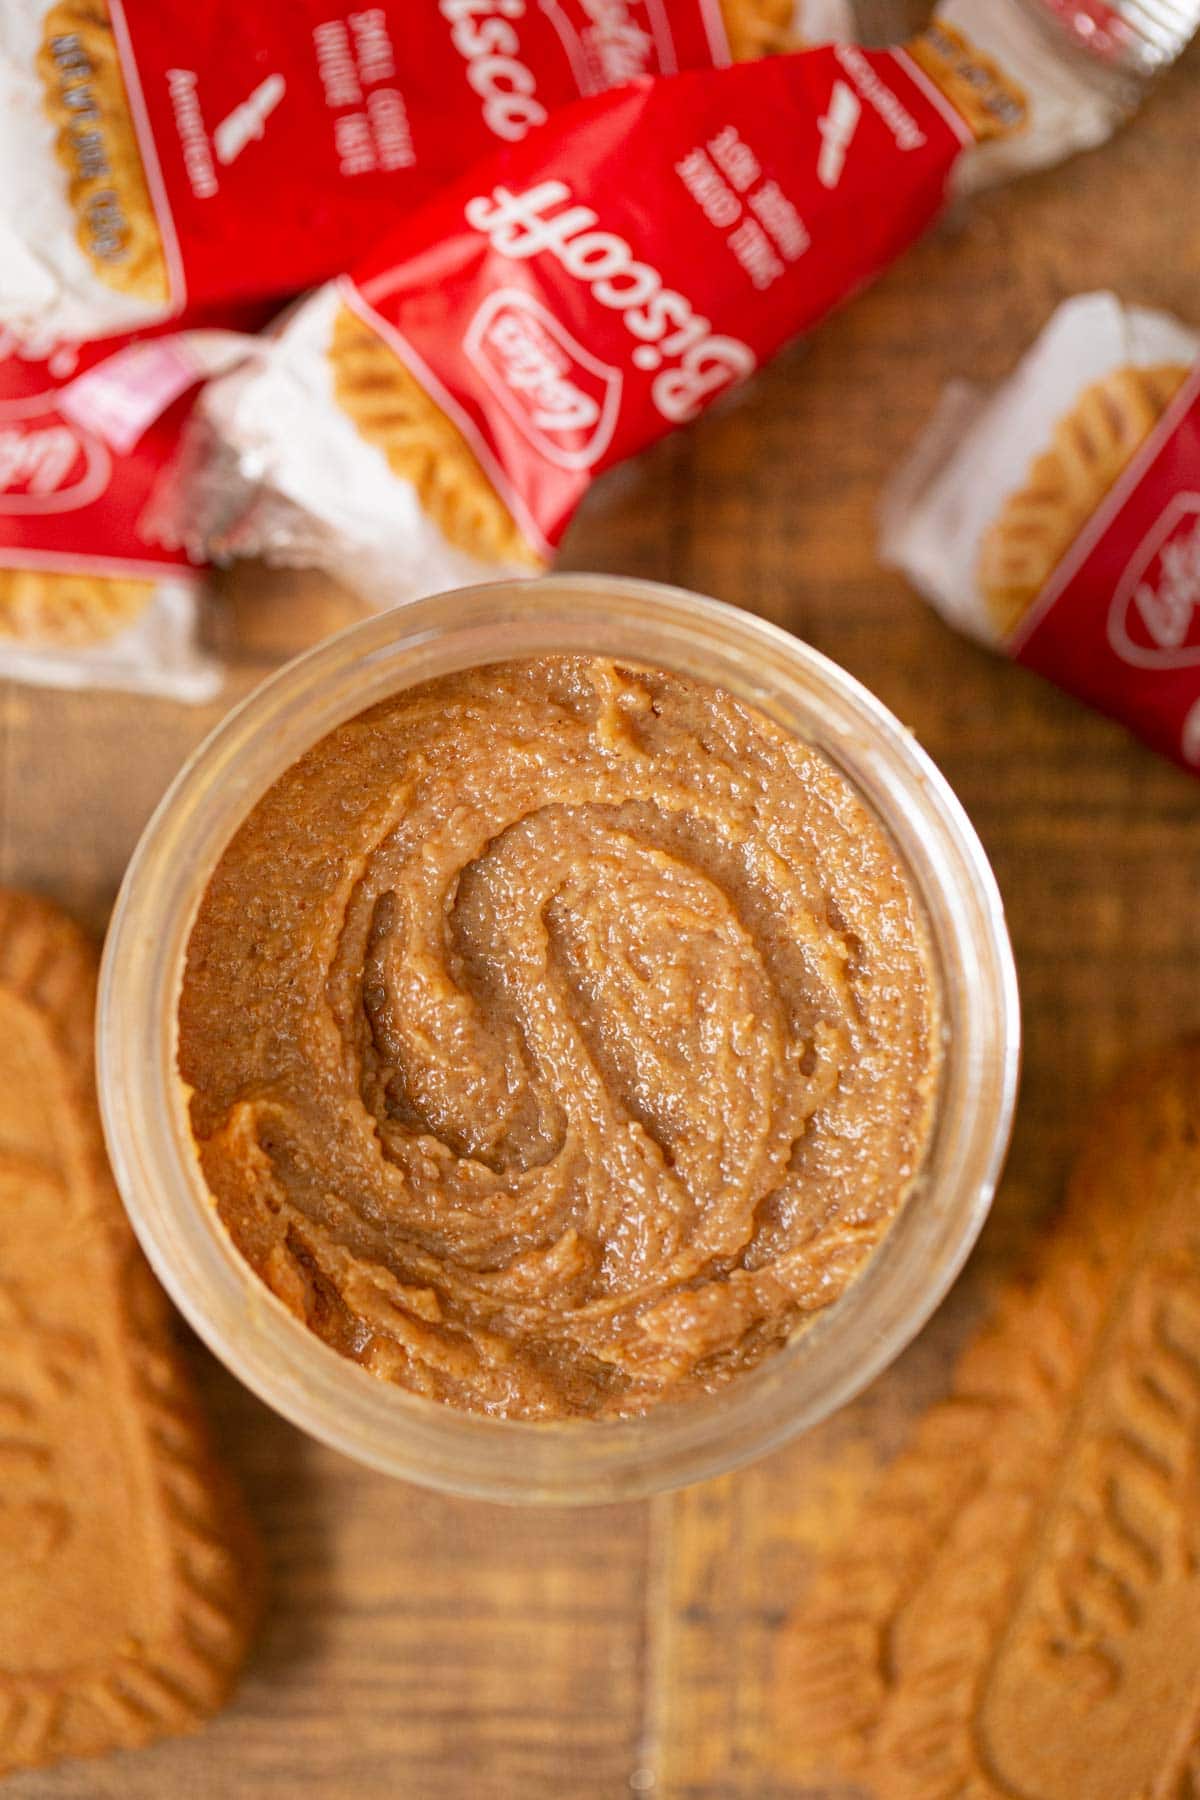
[[607, 47], [667, 329], [764, 232], [357, 66]]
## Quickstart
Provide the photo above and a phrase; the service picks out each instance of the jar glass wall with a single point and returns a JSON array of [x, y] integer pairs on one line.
[[145, 1107]]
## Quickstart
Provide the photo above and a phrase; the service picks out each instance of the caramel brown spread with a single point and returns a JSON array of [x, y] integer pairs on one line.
[[559, 1035]]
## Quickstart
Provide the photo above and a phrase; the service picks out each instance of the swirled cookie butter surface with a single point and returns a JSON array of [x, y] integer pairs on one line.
[[558, 1036]]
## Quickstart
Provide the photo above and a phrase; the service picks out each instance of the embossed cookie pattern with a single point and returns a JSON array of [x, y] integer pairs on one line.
[[1091, 446], [1016, 1613], [392, 411], [128, 1574], [976, 85], [85, 99], [40, 607]]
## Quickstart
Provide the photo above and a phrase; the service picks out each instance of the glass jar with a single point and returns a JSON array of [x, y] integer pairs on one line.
[[144, 1103]]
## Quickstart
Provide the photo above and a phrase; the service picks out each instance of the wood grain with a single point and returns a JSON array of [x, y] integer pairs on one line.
[[420, 1646]]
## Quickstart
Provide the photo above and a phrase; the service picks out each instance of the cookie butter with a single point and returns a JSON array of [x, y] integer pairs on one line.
[[559, 1035]]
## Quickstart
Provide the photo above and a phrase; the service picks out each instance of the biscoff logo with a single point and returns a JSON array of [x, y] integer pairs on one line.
[[564, 400], [1154, 620], [46, 464], [689, 361]]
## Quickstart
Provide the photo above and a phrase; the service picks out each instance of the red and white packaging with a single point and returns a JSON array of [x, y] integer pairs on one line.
[[583, 292], [85, 432], [163, 154], [1099, 428], [571, 300]]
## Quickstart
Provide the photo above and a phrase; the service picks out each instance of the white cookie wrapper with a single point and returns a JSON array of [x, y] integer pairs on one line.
[[1081, 83], [1074, 105], [977, 449], [48, 289], [825, 21], [273, 467], [159, 653]]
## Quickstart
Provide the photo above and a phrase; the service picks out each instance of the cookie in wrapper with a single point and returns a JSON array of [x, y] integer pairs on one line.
[[435, 417], [152, 150], [1058, 520], [85, 431]]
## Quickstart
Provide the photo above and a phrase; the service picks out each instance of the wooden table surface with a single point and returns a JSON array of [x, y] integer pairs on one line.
[[418, 1646]]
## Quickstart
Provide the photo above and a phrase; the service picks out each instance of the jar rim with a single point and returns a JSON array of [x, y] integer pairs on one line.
[[143, 1102]]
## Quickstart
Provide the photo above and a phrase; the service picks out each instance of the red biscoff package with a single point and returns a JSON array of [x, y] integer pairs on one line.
[[436, 416], [158, 154], [1058, 520], [85, 432]]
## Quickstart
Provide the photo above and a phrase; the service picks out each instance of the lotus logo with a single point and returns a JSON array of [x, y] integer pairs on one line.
[[563, 399], [47, 465], [608, 45], [1154, 622]]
